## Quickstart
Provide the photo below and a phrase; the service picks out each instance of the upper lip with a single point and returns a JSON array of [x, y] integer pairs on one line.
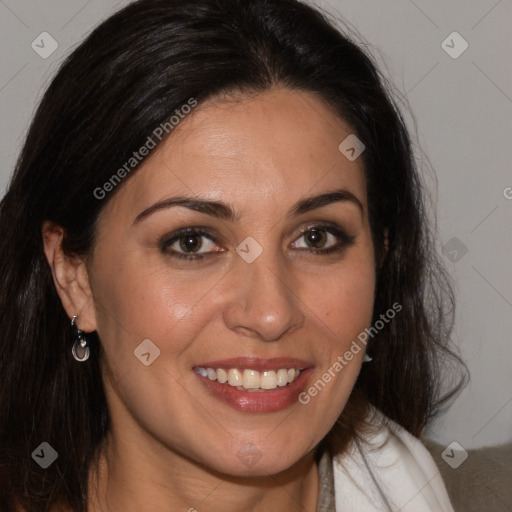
[[257, 363]]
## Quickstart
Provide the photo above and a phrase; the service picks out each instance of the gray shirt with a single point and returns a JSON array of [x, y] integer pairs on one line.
[[325, 484]]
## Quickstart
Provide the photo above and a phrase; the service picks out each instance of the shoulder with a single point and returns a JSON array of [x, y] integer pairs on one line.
[[390, 470]]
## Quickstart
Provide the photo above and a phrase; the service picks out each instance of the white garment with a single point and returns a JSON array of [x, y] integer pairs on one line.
[[396, 473]]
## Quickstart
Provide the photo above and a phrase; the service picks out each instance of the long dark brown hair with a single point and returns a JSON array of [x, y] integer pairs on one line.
[[128, 76]]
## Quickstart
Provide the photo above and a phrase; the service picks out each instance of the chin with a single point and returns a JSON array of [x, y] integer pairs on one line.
[[250, 461]]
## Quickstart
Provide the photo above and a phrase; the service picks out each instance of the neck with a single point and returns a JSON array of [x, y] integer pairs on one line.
[[127, 479]]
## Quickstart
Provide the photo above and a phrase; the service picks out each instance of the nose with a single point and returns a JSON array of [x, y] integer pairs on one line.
[[264, 305]]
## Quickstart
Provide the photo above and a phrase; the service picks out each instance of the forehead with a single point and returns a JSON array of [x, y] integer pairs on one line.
[[260, 151]]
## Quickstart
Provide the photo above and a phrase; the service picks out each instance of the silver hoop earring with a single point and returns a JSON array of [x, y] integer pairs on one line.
[[80, 350]]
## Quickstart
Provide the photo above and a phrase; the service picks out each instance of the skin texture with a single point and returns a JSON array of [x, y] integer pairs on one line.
[[173, 446]]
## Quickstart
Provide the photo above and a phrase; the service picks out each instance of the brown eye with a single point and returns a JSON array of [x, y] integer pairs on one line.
[[190, 243], [322, 239], [316, 238]]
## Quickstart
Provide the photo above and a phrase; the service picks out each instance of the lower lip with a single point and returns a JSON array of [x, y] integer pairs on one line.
[[258, 401]]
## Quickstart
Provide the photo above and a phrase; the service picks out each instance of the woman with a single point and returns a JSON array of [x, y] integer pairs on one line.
[[220, 199]]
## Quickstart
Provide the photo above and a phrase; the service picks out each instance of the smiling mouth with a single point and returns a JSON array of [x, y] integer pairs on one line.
[[251, 380]]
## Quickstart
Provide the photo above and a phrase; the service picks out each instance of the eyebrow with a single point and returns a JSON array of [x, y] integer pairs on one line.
[[224, 211]]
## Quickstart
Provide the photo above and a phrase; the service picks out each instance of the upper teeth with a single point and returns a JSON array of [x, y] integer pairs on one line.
[[251, 379]]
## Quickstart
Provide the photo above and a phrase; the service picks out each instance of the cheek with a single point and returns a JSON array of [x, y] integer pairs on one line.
[[128, 288], [139, 305], [343, 300], [139, 300]]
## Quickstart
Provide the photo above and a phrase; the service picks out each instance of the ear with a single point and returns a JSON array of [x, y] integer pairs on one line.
[[70, 277]]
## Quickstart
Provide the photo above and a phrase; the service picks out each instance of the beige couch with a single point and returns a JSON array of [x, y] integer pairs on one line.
[[482, 483]]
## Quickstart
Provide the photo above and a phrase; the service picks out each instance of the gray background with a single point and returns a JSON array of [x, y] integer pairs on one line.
[[462, 108]]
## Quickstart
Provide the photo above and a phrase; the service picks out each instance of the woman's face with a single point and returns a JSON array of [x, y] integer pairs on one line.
[[249, 293]]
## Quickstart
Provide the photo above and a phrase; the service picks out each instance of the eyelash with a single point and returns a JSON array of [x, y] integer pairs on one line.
[[344, 241]]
